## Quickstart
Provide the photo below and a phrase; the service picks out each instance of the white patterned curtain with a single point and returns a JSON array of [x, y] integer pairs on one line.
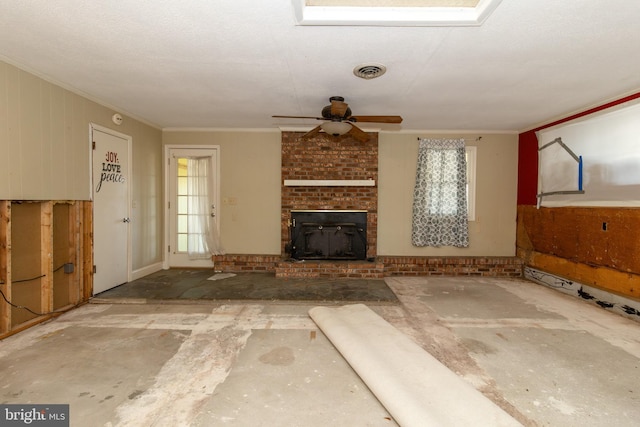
[[440, 195], [202, 238]]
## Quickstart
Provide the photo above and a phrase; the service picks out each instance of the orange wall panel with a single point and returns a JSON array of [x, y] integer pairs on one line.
[[572, 242]]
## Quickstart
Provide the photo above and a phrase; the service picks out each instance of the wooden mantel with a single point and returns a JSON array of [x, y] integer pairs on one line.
[[329, 183]]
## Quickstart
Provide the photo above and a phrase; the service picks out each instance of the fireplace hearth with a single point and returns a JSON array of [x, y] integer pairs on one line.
[[328, 235]]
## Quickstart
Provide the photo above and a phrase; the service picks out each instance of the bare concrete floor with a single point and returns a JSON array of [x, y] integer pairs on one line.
[[546, 358]]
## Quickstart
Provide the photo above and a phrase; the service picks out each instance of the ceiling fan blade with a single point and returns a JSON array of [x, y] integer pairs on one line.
[[358, 133], [298, 117], [376, 119], [338, 108], [313, 132]]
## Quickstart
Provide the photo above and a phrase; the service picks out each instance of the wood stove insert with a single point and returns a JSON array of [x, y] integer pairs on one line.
[[328, 235]]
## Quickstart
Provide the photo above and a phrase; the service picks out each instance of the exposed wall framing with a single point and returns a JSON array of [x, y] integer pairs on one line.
[[5, 261], [597, 246], [45, 260]]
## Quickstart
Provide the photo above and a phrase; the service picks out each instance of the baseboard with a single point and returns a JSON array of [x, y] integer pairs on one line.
[[609, 301], [145, 271]]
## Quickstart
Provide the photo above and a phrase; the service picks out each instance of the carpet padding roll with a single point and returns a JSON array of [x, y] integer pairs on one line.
[[414, 387]]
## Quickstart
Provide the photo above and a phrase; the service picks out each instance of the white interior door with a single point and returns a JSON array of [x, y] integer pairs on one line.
[[111, 208], [177, 197]]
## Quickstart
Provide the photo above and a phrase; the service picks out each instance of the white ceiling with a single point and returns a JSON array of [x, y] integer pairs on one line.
[[234, 63]]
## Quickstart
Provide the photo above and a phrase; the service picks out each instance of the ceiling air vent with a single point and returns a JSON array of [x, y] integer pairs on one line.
[[369, 71]]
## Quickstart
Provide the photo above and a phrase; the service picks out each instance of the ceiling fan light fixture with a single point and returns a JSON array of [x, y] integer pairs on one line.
[[369, 71], [336, 128]]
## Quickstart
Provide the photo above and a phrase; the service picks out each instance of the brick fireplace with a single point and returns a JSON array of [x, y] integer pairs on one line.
[[329, 174], [332, 174]]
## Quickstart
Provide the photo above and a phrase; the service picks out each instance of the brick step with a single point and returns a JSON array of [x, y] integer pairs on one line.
[[330, 269]]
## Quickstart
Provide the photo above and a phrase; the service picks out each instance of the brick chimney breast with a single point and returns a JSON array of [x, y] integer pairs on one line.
[[330, 158]]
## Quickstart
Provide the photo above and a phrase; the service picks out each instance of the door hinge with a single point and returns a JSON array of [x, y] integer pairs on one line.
[[169, 248], [94, 269], [168, 205], [93, 145]]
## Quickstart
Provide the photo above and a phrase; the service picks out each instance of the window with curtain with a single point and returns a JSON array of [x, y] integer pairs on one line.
[[201, 230], [440, 195]]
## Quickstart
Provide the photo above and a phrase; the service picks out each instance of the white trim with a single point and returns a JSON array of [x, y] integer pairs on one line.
[[478, 132], [306, 128], [472, 160], [145, 271], [217, 129], [380, 130], [329, 183]]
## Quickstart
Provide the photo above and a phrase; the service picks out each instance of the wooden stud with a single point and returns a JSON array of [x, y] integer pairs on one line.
[[46, 257], [5, 265], [75, 251], [80, 253], [87, 249]]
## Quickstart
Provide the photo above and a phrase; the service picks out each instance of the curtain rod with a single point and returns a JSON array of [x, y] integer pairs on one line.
[[477, 139]]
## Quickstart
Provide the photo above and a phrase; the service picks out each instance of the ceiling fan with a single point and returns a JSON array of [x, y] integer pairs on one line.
[[339, 121]]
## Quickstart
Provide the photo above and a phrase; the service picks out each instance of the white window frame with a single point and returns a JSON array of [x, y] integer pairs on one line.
[[471, 154]]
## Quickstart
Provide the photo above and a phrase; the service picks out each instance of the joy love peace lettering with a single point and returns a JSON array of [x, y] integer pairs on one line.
[[111, 170]]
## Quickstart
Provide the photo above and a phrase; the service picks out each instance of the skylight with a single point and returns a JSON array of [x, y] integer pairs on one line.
[[393, 13], [394, 3]]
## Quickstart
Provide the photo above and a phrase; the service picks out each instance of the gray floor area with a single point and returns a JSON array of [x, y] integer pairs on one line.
[[189, 285], [546, 358]]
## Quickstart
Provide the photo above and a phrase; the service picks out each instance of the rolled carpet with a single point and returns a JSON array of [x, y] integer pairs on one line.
[[413, 386]]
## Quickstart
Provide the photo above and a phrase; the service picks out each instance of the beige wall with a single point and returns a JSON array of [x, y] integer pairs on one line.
[[493, 233], [250, 165], [250, 177], [44, 153]]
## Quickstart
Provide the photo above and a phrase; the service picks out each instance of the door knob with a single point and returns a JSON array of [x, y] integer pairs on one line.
[[126, 220]]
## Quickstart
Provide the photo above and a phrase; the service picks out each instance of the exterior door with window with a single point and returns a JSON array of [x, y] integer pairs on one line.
[[185, 206]]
